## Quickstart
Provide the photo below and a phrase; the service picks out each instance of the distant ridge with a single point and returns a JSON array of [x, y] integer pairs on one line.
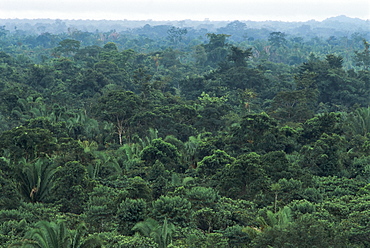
[[344, 18]]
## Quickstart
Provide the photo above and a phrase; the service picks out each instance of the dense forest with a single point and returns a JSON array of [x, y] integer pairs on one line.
[[233, 134]]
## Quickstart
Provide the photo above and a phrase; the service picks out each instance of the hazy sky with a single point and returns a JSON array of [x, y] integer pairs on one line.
[[256, 10]]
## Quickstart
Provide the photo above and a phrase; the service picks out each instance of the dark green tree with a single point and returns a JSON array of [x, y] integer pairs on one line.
[[176, 209], [68, 47], [118, 107], [363, 58], [71, 187], [130, 212]]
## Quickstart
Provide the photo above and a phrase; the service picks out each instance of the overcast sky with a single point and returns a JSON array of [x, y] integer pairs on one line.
[[256, 10]]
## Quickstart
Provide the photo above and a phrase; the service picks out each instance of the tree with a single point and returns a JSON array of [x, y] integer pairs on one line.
[[89, 81], [175, 35], [115, 240], [138, 188], [50, 235], [68, 47], [202, 197], [328, 123], [216, 48], [277, 166], [28, 143], [130, 212], [239, 56], [236, 30], [118, 107], [293, 106], [79, 241], [162, 234], [245, 177], [163, 152], [176, 209], [305, 232], [208, 219], [101, 208], [10, 198], [336, 87], [358, 122], [278, 44], [255, 133], [334, 62], [71, 187], [212, 111], [326, 156], [211, 165], [363, 58], [36, 179], [56, 235]]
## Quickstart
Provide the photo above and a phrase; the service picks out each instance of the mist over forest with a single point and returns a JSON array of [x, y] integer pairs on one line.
[[337, 26]]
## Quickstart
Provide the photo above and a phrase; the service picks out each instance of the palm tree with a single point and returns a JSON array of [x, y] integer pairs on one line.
[[359, 121], [36, 179], [147, 141], [131, 155], [191, 150], [161, 234], [280, 219], [56, 235], [80, 125], [50, 235], [103, 160], [78, 241]]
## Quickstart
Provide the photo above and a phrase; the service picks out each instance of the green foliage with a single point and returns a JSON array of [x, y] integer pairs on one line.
[[161, 234], [68, 46], [216, 48], [175, 128], [101, 208], [296, 105], [300, 207], [358, 121], [50, 234], [244, 178], [256, 132], [11, 196], [236, 236], [210, 165], [176, 209], [79, 241], [363, 58], [164, 152], [138, 188], [277, 166], [71, 186], [328, 123], [115, 240], [202, 197], [326, 156], [130, 212], [306, 230], [28, 143], [36, 179], [208, 219], [11, 230], [118, 107]]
